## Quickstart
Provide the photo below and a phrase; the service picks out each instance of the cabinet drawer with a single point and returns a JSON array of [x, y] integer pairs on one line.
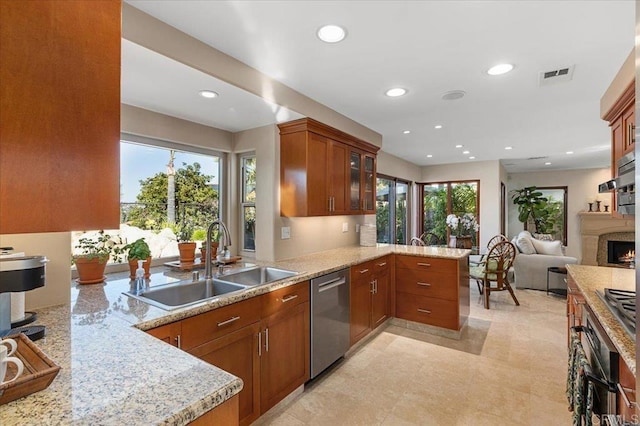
[[285, 298], [362, 270], [430, 284], [427, 263], [381, 266], [213, 324], [427, 310]]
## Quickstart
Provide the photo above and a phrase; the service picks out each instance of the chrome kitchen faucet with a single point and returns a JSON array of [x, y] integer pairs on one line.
[[226, 238]]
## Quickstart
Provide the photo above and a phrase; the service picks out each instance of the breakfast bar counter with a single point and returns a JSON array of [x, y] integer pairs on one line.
[[113, 373]]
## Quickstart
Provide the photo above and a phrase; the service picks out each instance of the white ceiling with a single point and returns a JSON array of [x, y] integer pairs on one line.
[[427, 47]]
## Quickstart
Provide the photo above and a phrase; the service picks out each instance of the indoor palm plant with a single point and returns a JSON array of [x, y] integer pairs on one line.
[[138, 250], [91, 255]]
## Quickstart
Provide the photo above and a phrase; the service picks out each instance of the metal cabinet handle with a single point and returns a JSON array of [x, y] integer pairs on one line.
[[364, 271], [260, 343], [373, 289], [382, 264], [329, 203], [289, 297], [266, 339], [178, 342], [424, 284], [229, 321], [424, 264], [625, 398], [630, 135], [424, 311], [376, 286]]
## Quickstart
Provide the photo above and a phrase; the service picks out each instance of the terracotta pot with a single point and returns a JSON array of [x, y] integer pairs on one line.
[[133, 266], [187, 252], [214, 251], [91, 271], [464, 242]]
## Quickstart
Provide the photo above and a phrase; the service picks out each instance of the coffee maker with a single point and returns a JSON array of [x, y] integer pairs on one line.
[[18, 274]]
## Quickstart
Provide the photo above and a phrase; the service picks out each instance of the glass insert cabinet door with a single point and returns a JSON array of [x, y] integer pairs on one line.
[[369, 183], [355, 181]]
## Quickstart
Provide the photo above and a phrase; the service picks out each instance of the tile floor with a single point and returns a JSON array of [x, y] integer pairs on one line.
[[508, 368]]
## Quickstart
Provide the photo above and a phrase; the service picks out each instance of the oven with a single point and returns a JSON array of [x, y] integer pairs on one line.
[[603, 358]]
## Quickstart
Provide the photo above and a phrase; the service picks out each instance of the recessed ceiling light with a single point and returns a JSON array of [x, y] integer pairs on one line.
[[429, 155], [331, 33], [548, 163], [438, 126], [465, 152], [406, 132], [472, 158], [458, 146], [395, 92], [500, 69], [569, 152], [508, 147], [209, 94]]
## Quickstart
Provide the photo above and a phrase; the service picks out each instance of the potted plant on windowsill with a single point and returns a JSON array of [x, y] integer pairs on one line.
[[92, 254], [461, 229], [138, 250], [186, 245]]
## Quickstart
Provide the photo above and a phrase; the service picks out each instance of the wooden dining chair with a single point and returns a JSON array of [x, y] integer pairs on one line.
[[493, 274], [416, 241], [492, 242]]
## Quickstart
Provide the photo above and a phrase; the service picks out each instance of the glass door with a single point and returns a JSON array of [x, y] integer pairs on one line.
[[355, 172], [391, 210], [369, 183]]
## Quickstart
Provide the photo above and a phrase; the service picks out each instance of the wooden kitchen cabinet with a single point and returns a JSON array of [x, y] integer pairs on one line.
[[60, 102], [238, 353], [169, 333], [285, 355], [369, 303], [317, 177], [626, 398], [432, 291], [575, 304]]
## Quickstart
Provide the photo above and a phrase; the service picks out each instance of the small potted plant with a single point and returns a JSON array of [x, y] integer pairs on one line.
[[92, 254], [215, 238], [138, 250], [186, 245]]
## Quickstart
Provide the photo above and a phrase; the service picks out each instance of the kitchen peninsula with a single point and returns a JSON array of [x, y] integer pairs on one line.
[[112, 371]]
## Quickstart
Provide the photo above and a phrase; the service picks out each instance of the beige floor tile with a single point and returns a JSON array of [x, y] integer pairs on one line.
[[508, 368]]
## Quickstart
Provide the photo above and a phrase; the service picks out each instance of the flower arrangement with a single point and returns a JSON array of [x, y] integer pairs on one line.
[[462, 225]]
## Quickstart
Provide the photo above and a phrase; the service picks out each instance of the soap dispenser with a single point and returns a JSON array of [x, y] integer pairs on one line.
[[139, 283]]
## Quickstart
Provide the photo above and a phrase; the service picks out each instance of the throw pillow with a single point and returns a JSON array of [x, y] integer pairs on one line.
[[543, 237], [524, 243], [552, 248]]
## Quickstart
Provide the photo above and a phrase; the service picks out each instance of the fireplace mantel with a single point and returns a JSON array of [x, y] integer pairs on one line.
[[595, 224]]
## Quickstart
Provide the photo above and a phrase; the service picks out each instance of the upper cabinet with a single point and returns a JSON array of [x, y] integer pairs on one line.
[[60, 103], [324, 171]]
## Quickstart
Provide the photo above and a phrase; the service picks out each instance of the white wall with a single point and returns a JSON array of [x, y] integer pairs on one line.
[[581, 184], [488, 173]]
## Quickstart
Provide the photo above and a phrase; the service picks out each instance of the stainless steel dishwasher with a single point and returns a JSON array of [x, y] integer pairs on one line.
[[329, 319]]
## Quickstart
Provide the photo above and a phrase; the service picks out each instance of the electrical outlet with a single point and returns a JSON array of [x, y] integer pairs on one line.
[[285, 233], [345, 227], [357, 227]]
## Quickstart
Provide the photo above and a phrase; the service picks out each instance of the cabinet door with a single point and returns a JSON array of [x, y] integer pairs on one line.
[[169, 333], [60, 103], [379, 299], [626, 392], [355, 184], [339, 178], [317, 169], [285, 354], [237, 353], [360, 302], [628, 128], [369, 184]]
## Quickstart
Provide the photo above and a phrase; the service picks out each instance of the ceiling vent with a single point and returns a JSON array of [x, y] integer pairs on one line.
[[560, 75], [537, 158], [453, 95]]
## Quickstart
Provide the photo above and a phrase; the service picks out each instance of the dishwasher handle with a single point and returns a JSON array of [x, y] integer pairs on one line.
[[331, 284]]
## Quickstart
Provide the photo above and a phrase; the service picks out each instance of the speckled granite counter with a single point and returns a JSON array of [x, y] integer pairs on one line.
[[113, 374], [592, 278]]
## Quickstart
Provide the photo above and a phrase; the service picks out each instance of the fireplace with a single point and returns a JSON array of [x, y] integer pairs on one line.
[[621, 252], [597, 229]]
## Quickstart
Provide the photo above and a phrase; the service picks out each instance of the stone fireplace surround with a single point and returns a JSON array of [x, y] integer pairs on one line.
[[596, 228]]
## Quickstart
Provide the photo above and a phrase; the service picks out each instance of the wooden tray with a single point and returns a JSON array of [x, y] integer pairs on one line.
[[198, 264], [39, 371]]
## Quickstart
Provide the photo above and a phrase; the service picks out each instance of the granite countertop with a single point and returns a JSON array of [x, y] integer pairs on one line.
[[113, 373], [592, 278]]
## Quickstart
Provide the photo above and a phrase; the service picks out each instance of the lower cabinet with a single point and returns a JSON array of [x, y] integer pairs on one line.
[[370, 283], [265, 341], [627, 400]]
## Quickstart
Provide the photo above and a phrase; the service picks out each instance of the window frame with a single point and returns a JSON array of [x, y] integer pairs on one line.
[[565, 202], [396, 180], [243, 199]]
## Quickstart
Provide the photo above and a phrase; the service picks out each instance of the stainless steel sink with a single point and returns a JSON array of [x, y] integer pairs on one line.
[[257, 276], [181, 294]]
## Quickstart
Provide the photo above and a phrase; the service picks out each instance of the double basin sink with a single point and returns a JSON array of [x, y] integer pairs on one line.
[[185, 293]]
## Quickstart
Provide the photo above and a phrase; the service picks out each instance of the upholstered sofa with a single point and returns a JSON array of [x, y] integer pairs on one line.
[[534, 258]]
